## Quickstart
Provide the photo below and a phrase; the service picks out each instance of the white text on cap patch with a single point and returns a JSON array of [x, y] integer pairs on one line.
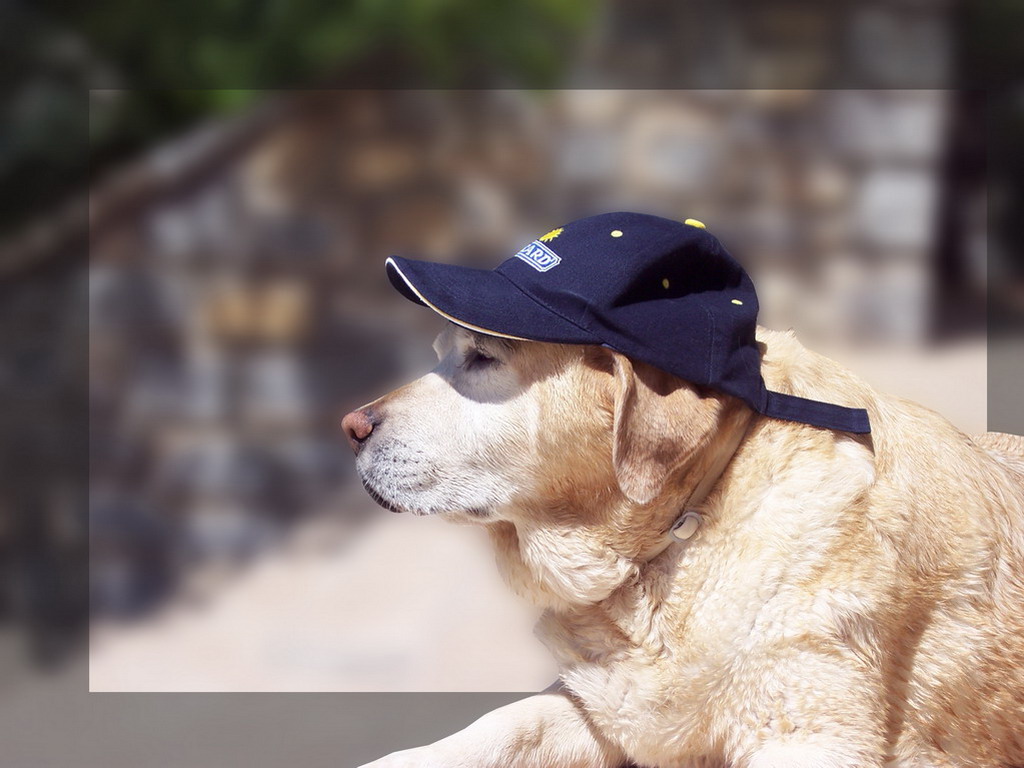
[[539, 256]]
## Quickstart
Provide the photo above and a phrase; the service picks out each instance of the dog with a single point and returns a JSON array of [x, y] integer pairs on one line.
[[845, 600]]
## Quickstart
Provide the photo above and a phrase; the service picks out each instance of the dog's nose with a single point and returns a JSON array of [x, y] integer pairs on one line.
[[358, 425]]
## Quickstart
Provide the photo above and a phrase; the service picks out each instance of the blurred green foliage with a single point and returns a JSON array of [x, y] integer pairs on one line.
[[199, 53], [276, 43], [177, 63]]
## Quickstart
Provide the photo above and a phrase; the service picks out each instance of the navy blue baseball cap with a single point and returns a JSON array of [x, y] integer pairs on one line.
[[656, 290]]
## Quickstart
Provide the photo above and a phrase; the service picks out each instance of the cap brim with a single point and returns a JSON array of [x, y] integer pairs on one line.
[[481, 300]]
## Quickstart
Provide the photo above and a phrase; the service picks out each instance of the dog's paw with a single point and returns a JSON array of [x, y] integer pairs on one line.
[[421, 757], [802, 756]]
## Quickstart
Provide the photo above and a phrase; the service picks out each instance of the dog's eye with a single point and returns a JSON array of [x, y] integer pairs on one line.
[[477, 359]]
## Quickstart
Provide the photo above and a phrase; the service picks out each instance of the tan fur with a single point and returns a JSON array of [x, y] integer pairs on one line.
[[847, 601]]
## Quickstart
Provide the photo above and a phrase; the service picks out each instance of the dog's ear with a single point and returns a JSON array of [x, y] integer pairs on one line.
[[660, 421]]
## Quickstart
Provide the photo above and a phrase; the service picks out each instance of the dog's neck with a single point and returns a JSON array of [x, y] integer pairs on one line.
[[707, 474], [573, 563]]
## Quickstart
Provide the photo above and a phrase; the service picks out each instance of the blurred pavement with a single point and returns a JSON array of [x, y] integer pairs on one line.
[[411, 605]]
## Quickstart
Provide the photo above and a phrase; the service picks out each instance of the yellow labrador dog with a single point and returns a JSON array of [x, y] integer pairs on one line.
[[845, 601], [747, 556]]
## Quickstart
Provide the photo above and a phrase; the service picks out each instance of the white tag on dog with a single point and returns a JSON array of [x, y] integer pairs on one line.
[[685, 526]]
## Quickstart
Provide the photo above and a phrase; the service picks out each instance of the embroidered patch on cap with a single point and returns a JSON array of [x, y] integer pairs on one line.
[[539, 256]]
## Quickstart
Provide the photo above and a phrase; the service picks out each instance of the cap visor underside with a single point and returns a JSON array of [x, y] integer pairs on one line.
[[481, 300]]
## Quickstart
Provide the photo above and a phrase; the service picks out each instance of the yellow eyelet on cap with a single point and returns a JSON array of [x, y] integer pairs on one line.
[[616, 233], [737, 301], [664, 283], [695, 223]]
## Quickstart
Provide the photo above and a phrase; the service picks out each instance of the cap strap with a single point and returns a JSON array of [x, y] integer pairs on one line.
[[816, 413]]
